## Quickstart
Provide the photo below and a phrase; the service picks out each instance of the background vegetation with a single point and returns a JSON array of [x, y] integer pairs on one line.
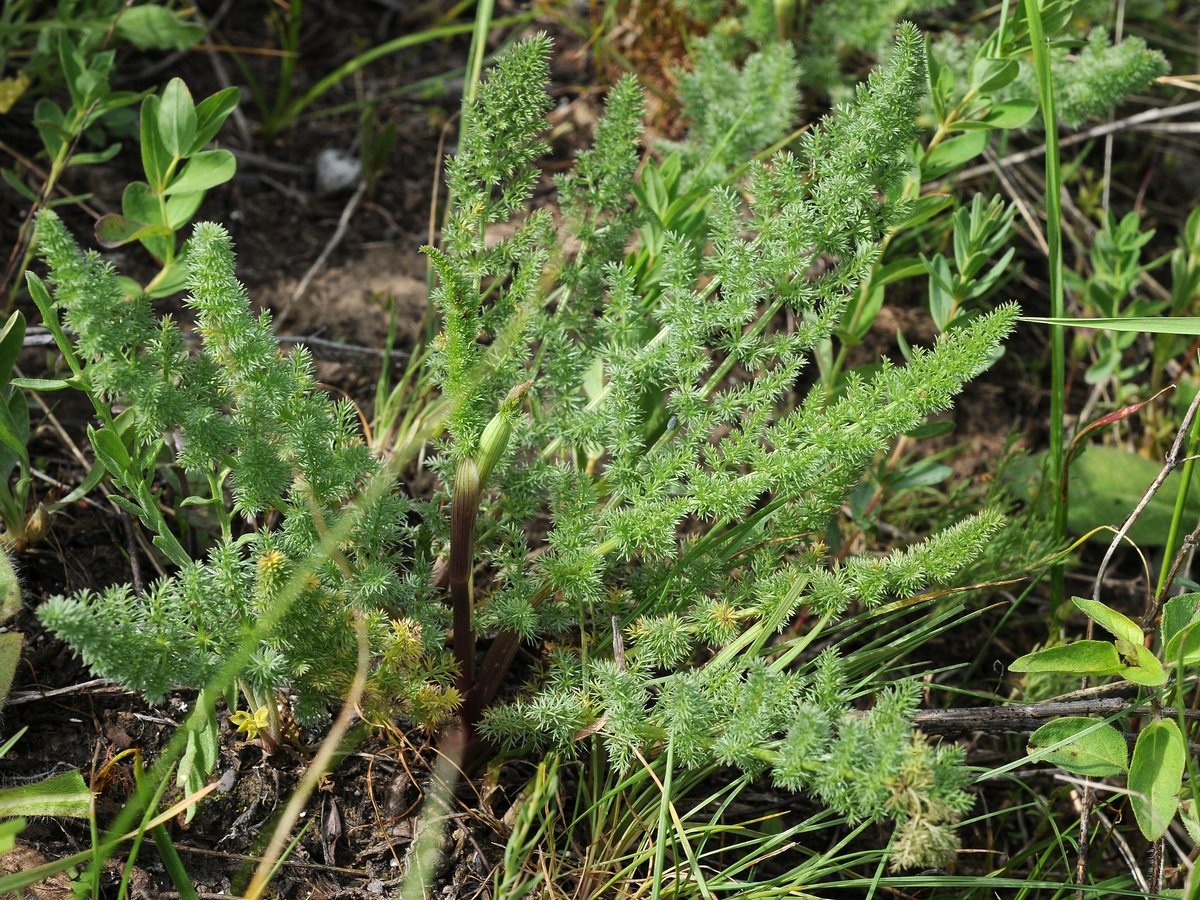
[[641, 547]]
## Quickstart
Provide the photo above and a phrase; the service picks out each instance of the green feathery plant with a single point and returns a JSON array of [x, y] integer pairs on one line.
[[239, 420], [685, 511], [627, 500]]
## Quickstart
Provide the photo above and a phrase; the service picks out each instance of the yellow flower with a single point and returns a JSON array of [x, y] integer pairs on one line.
[[251, 723]]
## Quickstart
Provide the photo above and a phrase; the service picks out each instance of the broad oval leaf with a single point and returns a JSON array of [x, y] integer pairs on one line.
[[1183, 649], [176, 118], [991, 73], [1110, 620], [205, 170], [113, 230], [139, 202], [951, 154], [1085, 749], [1178, 613], [153, 27], [1079, 658], [1155, 776], [1011, 114], [65, 794]]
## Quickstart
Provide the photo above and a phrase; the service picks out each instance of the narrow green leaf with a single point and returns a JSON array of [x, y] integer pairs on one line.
[[1079, 658], [12, 339], [211, 113], [1110, 620], [205, 170], [1155, 776], [924, 473], [1085, 748], [1184, 647], [181, 208], [9, 829], [177, 118], [42, 384], [1189, 325], [14, 432], [156, 159], [110, 450]]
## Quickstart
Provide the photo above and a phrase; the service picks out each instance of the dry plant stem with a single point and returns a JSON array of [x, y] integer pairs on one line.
[[1018, 199], [316, 769], [1081, 858], [1157, 862], [1169, 465], [1026, 718]]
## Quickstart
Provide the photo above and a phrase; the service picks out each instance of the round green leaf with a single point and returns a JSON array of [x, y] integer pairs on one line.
[[1155, 776], [1079, 658], [1084, 748]]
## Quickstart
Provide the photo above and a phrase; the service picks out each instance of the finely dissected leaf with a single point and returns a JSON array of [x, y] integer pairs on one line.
[[1079, 658], [1110, 620], [1098, 752], [1155, 776], [64, 794]]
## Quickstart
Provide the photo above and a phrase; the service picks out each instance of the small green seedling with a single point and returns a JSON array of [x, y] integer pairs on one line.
[[1093, 747]]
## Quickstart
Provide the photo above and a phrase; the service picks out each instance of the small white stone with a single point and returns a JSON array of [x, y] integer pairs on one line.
[[337, 171]]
